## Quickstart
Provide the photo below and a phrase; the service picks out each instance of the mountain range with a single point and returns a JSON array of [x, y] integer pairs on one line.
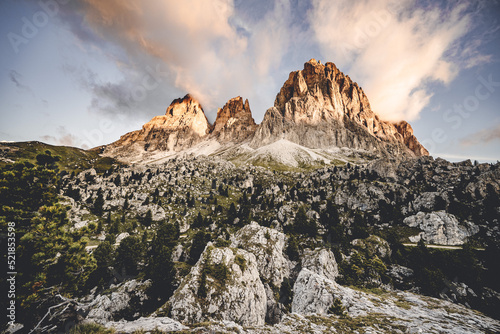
[[319, 114], [350, 226]]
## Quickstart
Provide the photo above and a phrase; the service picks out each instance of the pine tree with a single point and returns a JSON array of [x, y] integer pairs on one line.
[[199, 242], [202, 290], [129, 254], [98, 204]]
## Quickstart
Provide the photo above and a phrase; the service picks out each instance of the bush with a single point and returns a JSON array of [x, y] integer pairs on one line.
[[240, 261], [292, 249], [199, 242], [337, 308], [90, 328], [222, 243], [304, 225], [202, 290], [129, 253]]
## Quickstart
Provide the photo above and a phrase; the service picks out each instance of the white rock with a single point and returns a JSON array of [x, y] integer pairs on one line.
[[440, 228], [312, 293], [321, 262], [241, 298], [121, 236], [146, 324], [104, 307], [267, 245]]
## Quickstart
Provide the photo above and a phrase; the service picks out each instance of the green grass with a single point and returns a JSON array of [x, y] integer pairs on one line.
[[90, 328], [72, 158]]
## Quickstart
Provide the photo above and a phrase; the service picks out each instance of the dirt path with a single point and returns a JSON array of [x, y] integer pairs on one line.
[[440, 246]]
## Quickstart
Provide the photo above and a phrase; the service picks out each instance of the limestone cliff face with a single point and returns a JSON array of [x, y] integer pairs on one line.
[[320, 107], [183, 125], [234, 121]]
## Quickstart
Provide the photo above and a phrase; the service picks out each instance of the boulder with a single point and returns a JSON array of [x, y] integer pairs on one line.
[[267, 245], [312, 293], [440, 227], [373, 245], [320, 261], [233, 289]]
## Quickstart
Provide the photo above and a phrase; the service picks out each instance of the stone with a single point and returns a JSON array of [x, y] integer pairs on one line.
[[320, 261], [312, 293], [241, 297], [320, 107], [148, 324], [234, 122], [267, 245], [183, 125], [104, 308], [440, 228], [374, 245]]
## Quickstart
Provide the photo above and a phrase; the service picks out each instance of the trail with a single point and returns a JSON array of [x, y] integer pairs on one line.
[[441, 246]]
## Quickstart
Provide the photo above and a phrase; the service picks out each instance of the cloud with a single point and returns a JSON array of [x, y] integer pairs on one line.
[[62, 138], [482, 137], [219, 49], [16, 78], [215, 50], [396, 48]]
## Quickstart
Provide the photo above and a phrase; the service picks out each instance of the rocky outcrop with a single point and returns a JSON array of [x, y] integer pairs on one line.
[[312, 293], [234, 122], [373, 246], [149, 324], [106, 307], [440, 228], [183, 125], [233, 290], [320, 107], [320, 261], [267, 245], [409, 139]]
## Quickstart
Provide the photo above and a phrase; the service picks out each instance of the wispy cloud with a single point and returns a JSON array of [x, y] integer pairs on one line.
[[220, 49], [62, 137], [16, 78], [207, 48], [482, 137], [396, 48]]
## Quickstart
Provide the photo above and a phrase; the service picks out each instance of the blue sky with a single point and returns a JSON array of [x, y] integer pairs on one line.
[[85, 72]]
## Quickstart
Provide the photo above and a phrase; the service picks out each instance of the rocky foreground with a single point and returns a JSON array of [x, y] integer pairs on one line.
[[248, 279], [244, 301]]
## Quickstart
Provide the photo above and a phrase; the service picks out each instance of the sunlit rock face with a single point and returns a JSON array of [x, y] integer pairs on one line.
[[320, 107], [234, 121], [183, 125], [239, 297], [440, 228]]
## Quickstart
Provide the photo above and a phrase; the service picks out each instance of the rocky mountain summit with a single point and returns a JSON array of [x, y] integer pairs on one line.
[[317, 108], [234, 122], [183, 125], [320, 107]]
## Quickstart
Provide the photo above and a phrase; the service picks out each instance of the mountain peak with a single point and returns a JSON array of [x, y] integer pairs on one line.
[[234, 121], [320, 107], [183, 125]]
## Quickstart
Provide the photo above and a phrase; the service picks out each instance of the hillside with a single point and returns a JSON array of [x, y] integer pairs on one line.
[[199, 244]]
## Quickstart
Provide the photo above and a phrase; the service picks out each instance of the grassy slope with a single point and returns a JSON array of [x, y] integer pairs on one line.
[[72, 158]]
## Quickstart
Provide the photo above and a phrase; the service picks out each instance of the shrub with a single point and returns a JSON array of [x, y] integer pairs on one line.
[[222, 243], [337, 308], [240, 261], [90, 328]]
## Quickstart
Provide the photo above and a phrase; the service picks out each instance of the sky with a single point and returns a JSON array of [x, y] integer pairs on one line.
[[84, 72]]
